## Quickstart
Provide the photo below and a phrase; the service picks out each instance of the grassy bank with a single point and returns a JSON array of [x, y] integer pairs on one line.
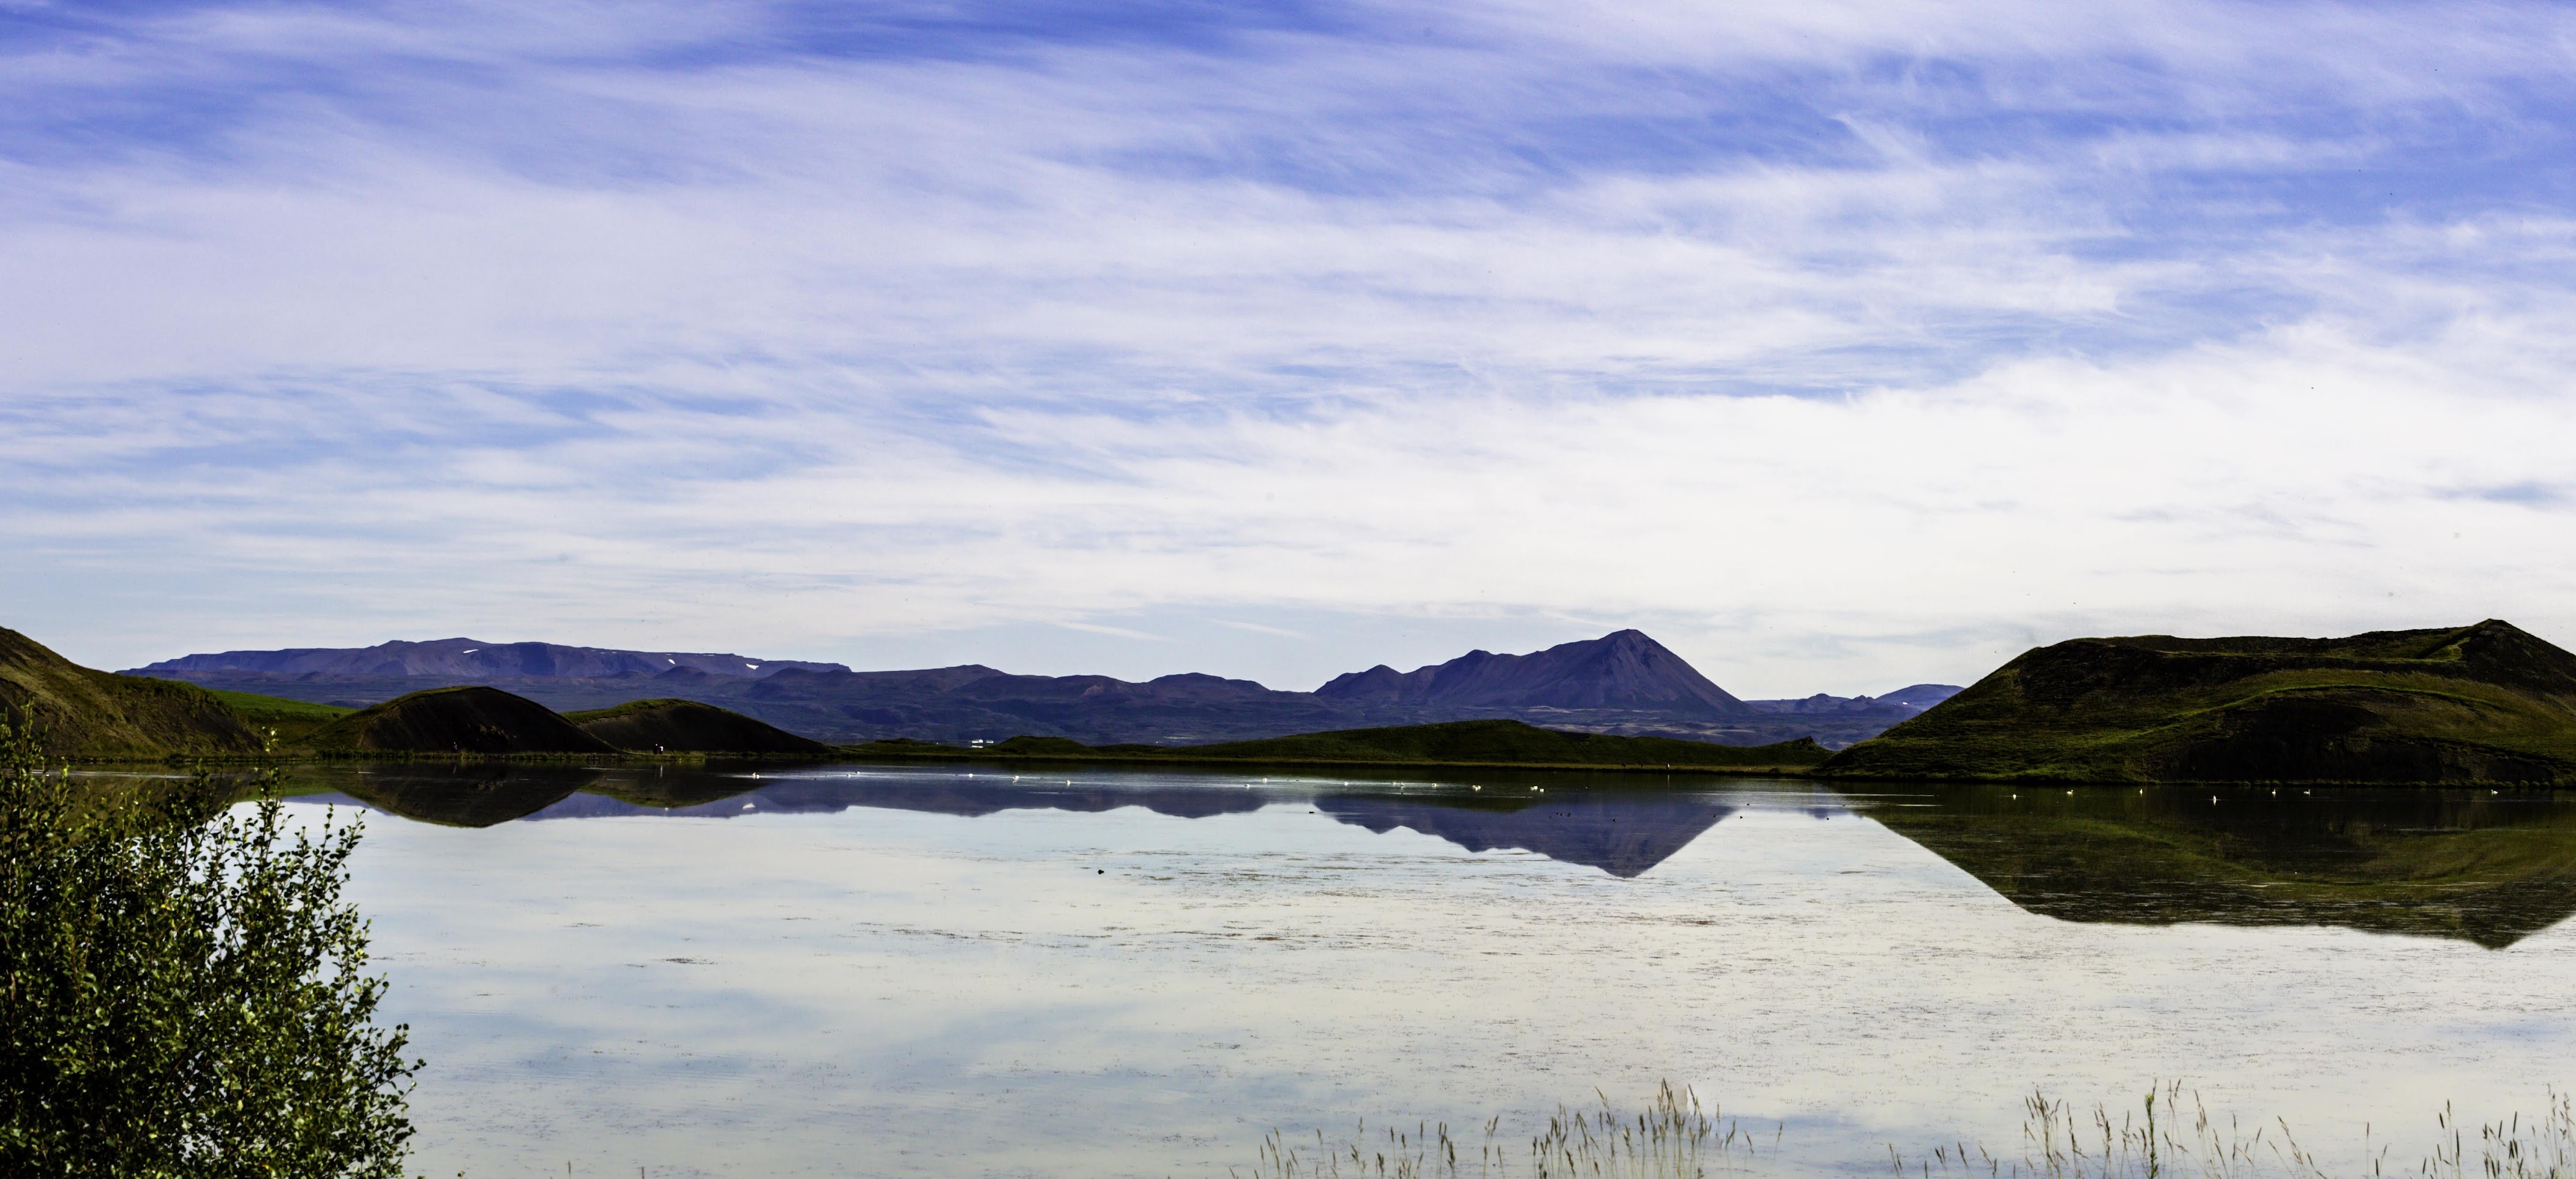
[[288, 722], [1481, 744]]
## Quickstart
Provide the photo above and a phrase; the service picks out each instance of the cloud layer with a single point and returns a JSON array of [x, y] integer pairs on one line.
[[1841, 347]]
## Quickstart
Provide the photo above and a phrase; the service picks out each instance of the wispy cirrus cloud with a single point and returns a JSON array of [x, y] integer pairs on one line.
[[1839, 343]]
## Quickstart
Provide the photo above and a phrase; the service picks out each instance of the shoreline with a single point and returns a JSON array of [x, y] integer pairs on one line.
[[236, 761], [1183, 762]]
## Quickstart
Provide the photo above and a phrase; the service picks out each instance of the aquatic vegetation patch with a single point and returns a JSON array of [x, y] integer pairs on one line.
[[2171, 1135], [1672, 1138]]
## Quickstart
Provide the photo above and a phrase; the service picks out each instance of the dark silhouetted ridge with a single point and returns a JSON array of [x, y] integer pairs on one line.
[[1621, 670], [457, 720], [686, 726], [1623, 684], [474, 659]]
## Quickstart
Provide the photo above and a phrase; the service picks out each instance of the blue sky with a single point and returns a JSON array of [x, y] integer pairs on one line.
[[1839, 345]]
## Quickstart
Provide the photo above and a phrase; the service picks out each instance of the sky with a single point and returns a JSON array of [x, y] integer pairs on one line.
[[1839, 346]]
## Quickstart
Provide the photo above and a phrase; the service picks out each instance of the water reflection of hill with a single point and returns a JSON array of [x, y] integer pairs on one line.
[[1623, 835], [480, 795], [2478, 866]]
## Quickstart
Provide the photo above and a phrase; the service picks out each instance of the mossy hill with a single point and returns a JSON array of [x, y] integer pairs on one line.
[[293, 721], [686, 726], [87, 715], [1456, 743], [2474, 704], [2464, 863], [456, 720]]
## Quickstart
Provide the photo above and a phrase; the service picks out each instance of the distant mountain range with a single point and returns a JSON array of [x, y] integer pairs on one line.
[[473, 659], [1912, 698], [1623, 683]]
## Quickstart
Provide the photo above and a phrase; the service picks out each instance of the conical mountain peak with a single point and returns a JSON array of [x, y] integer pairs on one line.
[[1625, 669]]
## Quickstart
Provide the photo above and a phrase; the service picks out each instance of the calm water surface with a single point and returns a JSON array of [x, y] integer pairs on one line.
[[870, 970]]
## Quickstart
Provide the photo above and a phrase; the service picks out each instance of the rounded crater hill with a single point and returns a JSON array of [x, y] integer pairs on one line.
[[457, 720], [2487, 703], [686, 726]]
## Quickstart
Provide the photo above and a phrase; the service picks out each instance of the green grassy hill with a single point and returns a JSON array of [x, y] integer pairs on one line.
[[85, 715], [2483, 703], [456, 720], [1460, 743], [294, 721], [686, 726]]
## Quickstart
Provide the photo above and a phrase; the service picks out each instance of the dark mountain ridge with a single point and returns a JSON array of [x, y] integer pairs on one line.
[[475, 659], [686, 726], [1621, 670], [1896, 705], [457, 720], [1623, 684]]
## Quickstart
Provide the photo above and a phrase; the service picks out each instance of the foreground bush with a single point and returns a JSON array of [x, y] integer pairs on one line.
[[184, 991]]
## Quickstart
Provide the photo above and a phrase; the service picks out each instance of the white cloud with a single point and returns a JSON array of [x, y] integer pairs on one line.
[[791, 353]]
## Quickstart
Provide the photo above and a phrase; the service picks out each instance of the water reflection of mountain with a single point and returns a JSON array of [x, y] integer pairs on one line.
[[933, 795], [2478, 866], [2482, 867], [1623, 835]]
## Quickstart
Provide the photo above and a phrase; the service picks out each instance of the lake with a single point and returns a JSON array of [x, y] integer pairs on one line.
[[938, 970]]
